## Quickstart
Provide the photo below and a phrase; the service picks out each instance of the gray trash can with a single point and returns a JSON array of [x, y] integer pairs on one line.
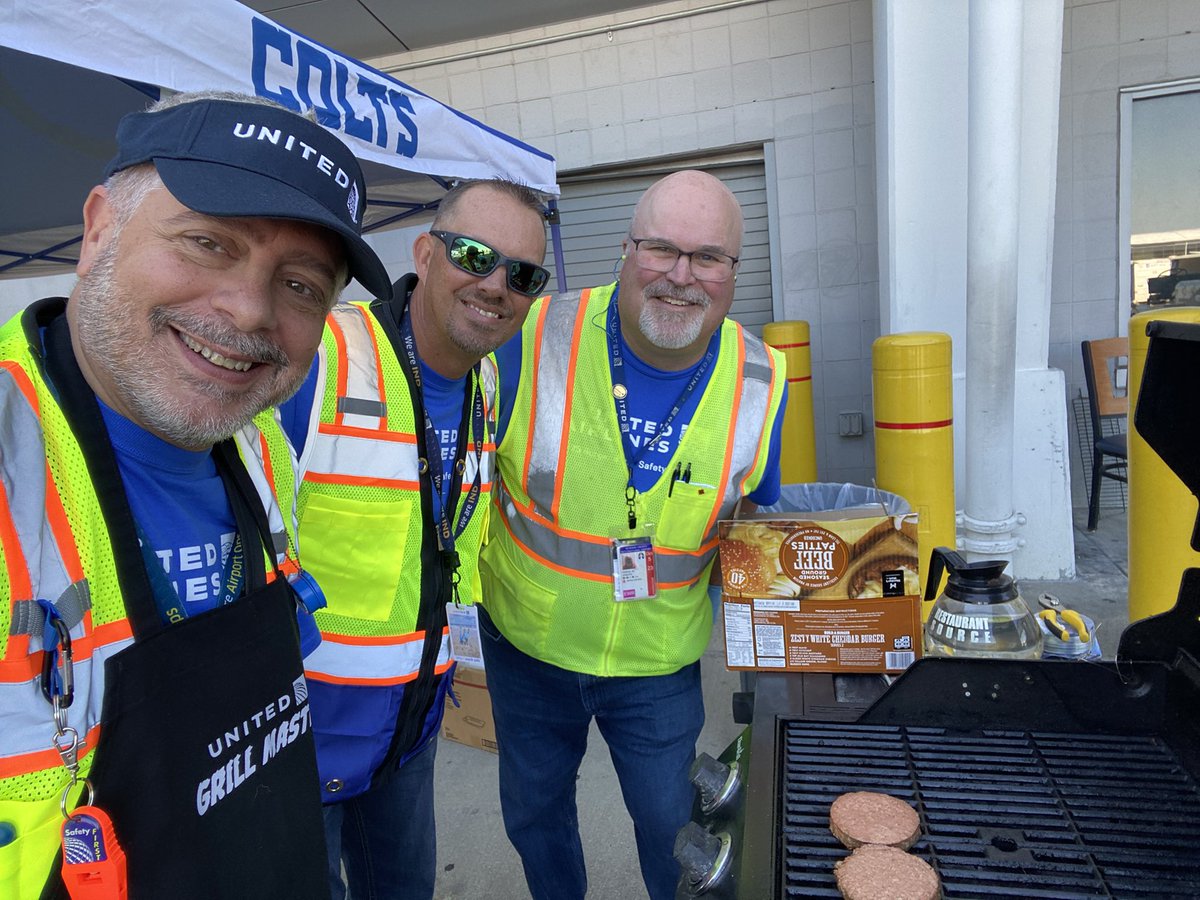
[[819, 496]]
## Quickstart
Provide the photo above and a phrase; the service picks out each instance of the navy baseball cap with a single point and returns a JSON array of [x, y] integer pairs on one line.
[[231, 158]]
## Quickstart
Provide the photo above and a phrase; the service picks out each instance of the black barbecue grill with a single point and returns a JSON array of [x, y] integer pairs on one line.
[[1056, 779], [1003, 814]]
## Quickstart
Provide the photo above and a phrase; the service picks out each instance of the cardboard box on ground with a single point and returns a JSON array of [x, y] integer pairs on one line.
[[471, 721], [833, 590]]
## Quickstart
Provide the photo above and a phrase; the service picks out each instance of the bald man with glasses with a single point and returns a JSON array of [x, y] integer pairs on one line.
[[395, 433], [633, 417]]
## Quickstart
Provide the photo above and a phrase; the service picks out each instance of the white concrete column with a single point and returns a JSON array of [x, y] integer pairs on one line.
[[920, 51], [1041, 470], [993, 220], [921, 127]]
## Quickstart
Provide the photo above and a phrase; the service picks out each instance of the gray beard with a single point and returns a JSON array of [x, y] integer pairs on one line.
[[668, 330]]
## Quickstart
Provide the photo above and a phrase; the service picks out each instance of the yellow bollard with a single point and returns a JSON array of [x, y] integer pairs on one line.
[[914, 434], [1162, 511], [798, 452]]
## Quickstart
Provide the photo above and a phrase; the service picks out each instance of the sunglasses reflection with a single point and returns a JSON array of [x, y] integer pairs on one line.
[[477, 258]]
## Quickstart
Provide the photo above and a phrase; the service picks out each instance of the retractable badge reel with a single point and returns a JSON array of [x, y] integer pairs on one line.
[[308, 592]]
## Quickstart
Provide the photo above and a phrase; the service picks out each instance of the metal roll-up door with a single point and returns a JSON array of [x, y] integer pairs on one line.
[[596, 208]]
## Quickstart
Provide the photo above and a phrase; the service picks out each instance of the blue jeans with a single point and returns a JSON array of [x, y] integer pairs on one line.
[[386, 837], [542, 714]]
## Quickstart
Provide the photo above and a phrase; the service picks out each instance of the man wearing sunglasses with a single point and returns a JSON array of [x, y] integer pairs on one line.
[[637, 416], [394, 429]]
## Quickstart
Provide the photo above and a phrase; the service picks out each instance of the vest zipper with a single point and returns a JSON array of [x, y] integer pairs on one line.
[[606, 662]]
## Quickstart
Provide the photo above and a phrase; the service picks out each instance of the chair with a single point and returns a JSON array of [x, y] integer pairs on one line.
[[1101, 361]]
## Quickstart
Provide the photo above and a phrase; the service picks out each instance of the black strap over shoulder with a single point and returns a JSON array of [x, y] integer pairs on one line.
[[247, 510], [82, 411]]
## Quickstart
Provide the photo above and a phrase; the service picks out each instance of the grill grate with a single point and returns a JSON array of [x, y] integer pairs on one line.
[[1004, 813]]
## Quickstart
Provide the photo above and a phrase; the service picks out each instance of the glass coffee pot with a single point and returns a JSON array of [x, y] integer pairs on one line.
[[980, 613]]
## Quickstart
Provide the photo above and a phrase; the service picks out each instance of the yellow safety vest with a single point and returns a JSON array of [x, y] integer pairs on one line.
[[55, 545], [360, 508], [547, 566]]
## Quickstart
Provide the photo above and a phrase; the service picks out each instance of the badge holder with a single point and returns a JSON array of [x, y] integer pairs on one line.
[[633, 563], [464, 634]]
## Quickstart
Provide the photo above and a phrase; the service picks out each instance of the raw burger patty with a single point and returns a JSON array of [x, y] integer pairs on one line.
[[863, 817], [875, 872]]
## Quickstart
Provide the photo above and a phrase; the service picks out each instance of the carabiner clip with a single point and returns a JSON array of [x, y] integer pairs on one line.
[[57, 687]]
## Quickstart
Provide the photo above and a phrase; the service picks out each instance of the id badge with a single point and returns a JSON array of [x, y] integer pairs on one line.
[[464, 634], [634, 577]]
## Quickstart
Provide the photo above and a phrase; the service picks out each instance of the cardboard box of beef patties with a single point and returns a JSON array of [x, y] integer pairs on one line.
[[821, 591]]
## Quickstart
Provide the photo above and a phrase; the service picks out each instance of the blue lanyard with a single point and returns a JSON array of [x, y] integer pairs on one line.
[[447, 535], [621, 393], [166, 598]]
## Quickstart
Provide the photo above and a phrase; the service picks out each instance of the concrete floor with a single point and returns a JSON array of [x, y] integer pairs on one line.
[[475, 859]]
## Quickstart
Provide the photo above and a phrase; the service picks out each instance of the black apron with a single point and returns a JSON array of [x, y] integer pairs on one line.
[[206, 762]]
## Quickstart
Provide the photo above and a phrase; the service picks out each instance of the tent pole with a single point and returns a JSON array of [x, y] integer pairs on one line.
[[556, 241]]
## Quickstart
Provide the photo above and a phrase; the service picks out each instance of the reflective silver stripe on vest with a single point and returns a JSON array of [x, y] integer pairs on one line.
[[355, 454], [250, 443], [752, 426], [335, 660], [592, 558], [360, 456], [550, 379], [488, 376], [363, 405], [23, 470], [28, 718]]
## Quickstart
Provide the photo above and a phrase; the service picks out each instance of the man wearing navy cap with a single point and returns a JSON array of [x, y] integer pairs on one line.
[[156, 723]]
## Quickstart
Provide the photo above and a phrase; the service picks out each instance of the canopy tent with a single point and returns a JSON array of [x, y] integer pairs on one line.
[[69, 70]]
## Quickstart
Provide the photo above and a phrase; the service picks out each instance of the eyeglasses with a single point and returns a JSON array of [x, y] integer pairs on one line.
[[477, 258], [659, 256]]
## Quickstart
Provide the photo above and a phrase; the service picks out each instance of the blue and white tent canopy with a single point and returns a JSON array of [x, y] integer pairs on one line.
[[69, 69]]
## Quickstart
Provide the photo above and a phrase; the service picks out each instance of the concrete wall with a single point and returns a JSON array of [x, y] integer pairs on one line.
[[691, 78]]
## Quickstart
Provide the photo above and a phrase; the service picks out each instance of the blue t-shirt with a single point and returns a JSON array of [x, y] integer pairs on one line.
[[179, 502], [652, 393], [443, 399]]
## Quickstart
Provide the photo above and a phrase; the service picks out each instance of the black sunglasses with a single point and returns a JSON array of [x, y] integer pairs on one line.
[[477, 258]]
